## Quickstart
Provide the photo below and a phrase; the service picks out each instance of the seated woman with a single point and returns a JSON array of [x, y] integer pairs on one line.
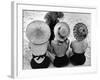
[[38, 34], [60, 44], [79, 45]]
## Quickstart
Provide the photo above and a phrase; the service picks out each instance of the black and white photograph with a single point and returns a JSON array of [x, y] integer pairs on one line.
[[50, 40], [55, 39]]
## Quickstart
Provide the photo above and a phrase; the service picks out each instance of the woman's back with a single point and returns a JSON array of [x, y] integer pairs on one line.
[[59, 48], [79, 46]]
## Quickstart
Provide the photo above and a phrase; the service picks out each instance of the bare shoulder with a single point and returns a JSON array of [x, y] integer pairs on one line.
[[67, 41], [85, 44], [53, 42], [73, 42]]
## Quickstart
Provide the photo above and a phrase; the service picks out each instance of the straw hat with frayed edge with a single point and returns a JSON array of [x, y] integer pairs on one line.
[[61, 31]]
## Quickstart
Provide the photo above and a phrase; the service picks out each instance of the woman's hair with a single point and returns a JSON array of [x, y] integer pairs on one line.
[[80, 31], [52, 18]]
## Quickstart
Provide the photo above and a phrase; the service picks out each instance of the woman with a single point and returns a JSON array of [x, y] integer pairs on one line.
[[38, 34], [79, 45], [60, 44]]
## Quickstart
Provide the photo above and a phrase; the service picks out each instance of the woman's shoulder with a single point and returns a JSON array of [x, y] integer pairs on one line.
[[76, 43], [53, 42], [85, 43], [73, 42], [79, 43]]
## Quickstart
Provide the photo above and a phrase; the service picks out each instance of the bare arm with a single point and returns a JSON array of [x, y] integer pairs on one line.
[[85, 45], [67, 43]]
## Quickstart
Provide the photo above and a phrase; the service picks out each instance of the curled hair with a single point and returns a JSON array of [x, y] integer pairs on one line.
[[80, 31], [52, 18]]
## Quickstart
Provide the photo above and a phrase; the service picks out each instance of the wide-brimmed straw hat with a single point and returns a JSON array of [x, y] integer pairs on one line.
[[61, 31], [38, 32]]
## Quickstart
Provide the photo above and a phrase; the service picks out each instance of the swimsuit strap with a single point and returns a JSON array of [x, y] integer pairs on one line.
[[40, 56]]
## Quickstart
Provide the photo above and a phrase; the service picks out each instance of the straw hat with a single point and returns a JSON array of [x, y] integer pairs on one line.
[[38, 32], [80, 31], [61, 31]]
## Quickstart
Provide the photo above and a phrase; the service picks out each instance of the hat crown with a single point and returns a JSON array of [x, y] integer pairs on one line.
[[38, 32], [61, 30]]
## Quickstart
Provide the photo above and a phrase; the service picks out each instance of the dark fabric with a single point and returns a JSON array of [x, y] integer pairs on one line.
[[52, 18], [61, 61], [40, 56], [64, 40], [44, 64], [78, 59]]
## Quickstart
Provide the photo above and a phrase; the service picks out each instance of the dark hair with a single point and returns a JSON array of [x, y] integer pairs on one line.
[[52, 18], [80, 34]]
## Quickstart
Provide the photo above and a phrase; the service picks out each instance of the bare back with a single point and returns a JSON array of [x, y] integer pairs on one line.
[[60, 49], [79, 46]]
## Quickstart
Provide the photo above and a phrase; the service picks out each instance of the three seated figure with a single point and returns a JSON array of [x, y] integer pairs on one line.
[[38, 33]]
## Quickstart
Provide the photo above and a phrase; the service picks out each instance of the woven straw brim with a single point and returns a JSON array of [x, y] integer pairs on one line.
[[65, 28], [38, 32]]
